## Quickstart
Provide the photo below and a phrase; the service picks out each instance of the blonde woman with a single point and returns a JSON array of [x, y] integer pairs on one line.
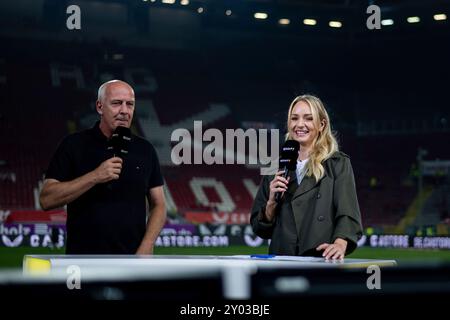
[[318, 214]]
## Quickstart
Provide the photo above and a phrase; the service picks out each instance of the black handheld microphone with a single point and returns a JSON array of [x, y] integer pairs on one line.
[[288, 160], [118, 145], [120, 141]]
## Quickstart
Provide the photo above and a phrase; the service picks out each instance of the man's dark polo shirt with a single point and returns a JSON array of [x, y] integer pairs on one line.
[[110, 218]]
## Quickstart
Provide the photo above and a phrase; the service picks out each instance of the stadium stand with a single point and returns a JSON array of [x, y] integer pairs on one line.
[[171, 99]]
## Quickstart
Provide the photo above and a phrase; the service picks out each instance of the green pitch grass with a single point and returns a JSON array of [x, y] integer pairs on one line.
[[12, 257]]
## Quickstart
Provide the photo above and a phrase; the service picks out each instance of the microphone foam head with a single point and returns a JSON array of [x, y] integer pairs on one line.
[[120, 140], [289, 155]]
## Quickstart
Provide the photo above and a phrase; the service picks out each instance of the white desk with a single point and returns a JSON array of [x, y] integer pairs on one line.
[[235, 271]]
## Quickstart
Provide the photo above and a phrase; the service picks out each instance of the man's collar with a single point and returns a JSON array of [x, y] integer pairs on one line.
[[97, 133]]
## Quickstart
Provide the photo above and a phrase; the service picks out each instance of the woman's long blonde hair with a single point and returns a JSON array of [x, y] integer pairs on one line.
[[325, 144]]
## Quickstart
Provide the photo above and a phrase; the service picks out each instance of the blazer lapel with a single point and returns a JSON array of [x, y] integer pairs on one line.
[[293, 184], [307, 184]]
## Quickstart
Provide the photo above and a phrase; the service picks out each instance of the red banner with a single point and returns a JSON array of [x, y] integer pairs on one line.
[[218, 217], [37, 216]]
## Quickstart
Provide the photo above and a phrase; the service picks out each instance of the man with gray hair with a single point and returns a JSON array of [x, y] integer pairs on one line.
[[105, 194]]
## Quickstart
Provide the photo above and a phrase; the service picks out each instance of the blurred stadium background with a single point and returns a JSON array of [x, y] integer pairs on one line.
[[233, 64]]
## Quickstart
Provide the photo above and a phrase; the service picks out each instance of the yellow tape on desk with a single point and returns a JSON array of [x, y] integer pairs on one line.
[[36, 266]]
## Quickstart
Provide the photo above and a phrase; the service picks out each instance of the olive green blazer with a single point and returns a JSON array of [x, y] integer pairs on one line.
[[313, 212]]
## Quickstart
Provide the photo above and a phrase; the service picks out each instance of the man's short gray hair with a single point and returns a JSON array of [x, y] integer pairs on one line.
[[102, 89]]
